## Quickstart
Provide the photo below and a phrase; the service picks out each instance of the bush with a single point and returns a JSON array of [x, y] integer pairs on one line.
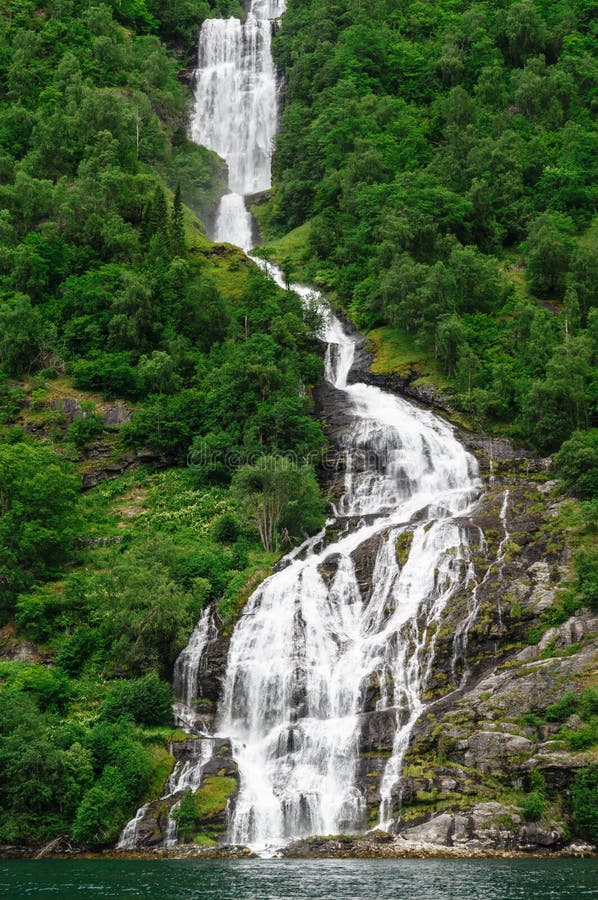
[[211, 565], [577, 464], [38, 504], [147, 700], [586, 561], [562, 708], [583, 737], [584, 803], [84, 429], [76, 650], [50, 688], [110, 373], [185, 815], [534, 805], [226, 529]]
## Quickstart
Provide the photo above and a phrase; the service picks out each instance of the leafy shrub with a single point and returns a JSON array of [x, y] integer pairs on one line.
[[562, 708], [209, 564], [226, 529], [84, 429], [76, 650], [110, 373], [534, 805], [584, 803], [185, 815], [586, 562], [39, 494], [583, 737], [50, 688], [147, 700], [588, 703], [577, 463]]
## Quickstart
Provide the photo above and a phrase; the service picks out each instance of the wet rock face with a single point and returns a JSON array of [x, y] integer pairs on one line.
[[220, 769], [213, 669]]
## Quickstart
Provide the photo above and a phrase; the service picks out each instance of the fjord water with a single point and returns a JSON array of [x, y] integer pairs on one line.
[[324, 879]]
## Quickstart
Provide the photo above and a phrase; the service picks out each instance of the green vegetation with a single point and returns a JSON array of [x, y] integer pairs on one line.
[[534, 804], [584, 802], [280, 499], [577, 464], [433, 172], [58, 776], [204, 809], [435, 160]]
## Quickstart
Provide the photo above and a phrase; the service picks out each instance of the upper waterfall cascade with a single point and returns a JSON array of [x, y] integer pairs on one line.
[[312, 641], [236, 109]]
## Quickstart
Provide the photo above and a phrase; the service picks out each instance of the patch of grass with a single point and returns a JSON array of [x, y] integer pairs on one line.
[[396, 352], [294, 248], [228, 267], [212, 796], [162, 763]]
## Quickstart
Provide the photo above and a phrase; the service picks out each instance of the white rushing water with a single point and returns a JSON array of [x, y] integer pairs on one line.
[[186, 775], [309, 645], [186, 669], [313, 642], [236, 109]]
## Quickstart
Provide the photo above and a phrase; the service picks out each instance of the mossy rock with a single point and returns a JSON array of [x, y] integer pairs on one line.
[[211, 798], [403, 547]]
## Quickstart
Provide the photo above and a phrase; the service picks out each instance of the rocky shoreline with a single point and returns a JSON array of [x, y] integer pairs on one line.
[[374, 845]]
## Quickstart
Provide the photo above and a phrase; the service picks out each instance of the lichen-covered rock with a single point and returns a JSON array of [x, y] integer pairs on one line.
[[487, 826], [488, 751]]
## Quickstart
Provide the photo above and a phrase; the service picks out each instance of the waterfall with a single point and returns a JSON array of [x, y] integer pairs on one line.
[[314, 641], [186, 775], [186, 671], [301, 661], [236, 109]]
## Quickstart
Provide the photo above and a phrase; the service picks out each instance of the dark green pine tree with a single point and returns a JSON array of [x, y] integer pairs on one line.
[[155, 218], [160, 214], [177, 225]]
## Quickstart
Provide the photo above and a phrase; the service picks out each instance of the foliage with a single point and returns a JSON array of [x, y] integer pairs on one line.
[[584, 803], [196, 812], [279, 498], [562, 708], [577, 463], [147, 700], [534, 805], [38, 515], [436, 161]]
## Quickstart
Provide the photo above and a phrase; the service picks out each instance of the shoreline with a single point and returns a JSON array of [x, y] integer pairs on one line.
[[320, 849]]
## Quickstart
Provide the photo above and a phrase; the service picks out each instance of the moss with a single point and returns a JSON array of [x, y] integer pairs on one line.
[[213, 795], [403, 547], [204, 839], [162, 763], [396, 351]]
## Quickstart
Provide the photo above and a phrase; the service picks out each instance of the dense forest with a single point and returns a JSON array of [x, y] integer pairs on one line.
[[435, 161]]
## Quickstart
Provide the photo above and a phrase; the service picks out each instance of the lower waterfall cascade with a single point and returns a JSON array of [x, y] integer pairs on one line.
[[311, 641]]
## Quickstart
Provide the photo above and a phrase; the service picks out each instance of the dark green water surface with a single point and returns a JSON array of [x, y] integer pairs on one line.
[[401, 879]]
